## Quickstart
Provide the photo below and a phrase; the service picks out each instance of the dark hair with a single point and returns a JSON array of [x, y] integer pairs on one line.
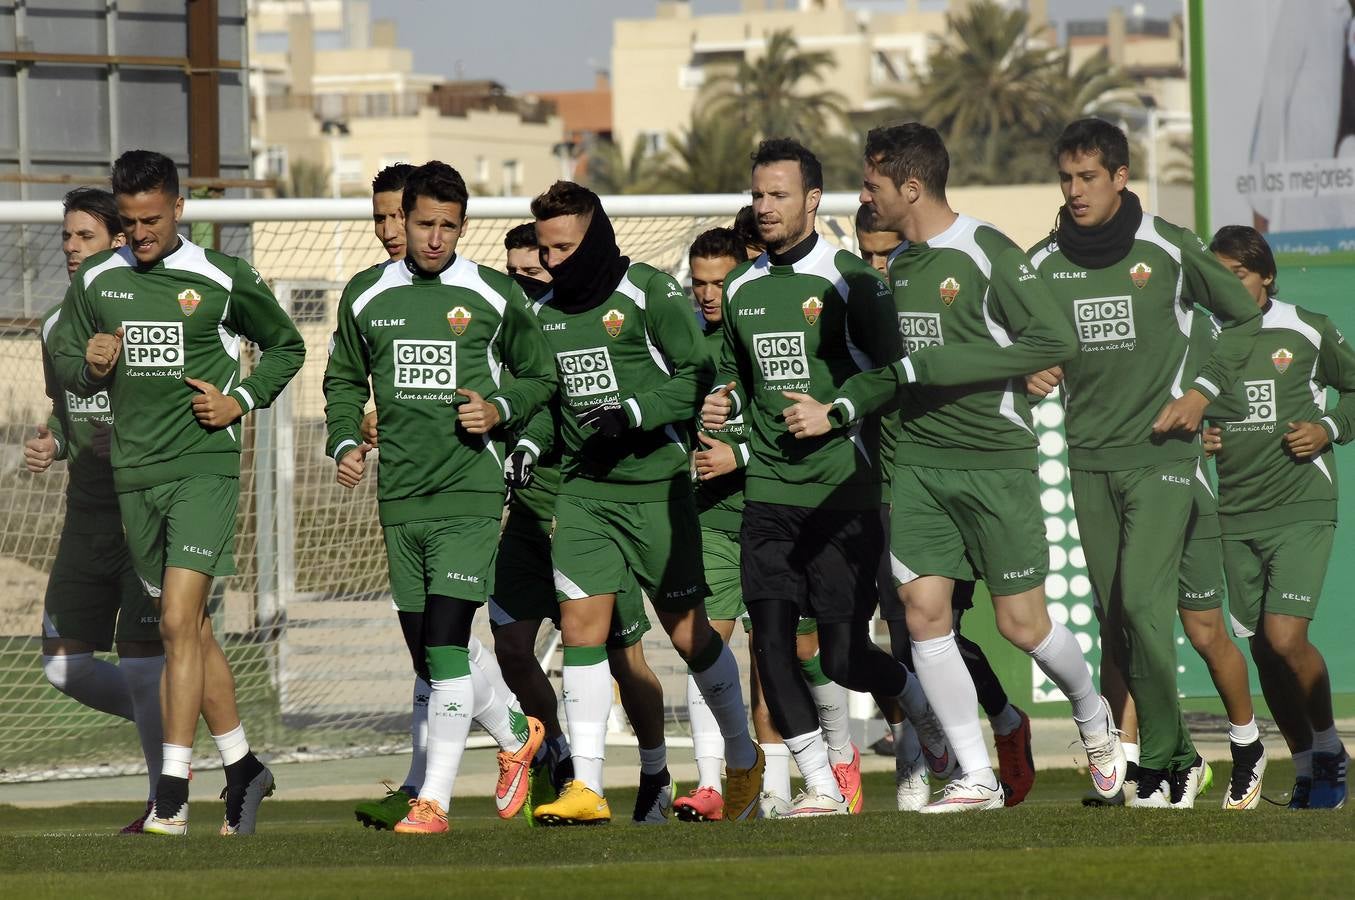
[[745, 226], [774, 150], [139, 171], [718, 242], [98, 203], [564, 198], [867, 220], [392, 178], [1095, 136], [520, 237], [434, 179], [910, 150], [1248, 246]]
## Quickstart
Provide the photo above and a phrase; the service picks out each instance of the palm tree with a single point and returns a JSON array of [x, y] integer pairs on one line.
[[611, 171], [1095, 88], [709, 157], [775, 95]]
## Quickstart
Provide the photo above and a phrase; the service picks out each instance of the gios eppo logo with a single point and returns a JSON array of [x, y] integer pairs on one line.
[[425, 365], [781, 355], [586, 373], [153, 345], [1102, 320], [920, 329]]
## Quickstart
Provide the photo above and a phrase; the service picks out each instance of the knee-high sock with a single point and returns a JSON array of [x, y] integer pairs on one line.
[[92, 682], [776, 776], [946, 681], [418, 735], [811, 755], [587, 701], [1060, 658], [830, 698], [506, 725], [708, 745], [489, 665], [716, 673], [450, 707], [143, 683]]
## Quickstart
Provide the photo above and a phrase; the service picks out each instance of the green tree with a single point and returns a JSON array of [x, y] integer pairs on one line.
[[611, 171], [710, 156], [306, 179], [782, 93]]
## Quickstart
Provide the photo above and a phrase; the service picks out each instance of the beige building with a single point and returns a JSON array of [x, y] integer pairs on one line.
[[332, 89]]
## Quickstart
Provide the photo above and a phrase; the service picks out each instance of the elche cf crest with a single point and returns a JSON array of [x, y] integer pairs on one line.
[[812, 307], [612, 321], [189, 300], [950, 289], [1139, 273], [1281, 358], [459, 318]]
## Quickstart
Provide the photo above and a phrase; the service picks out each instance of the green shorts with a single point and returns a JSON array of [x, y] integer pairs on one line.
[[720, 554], [452, 557], [1279, 571], [524, 590], [184, 524], [94, 594], [598, 541], [1202, 562], [968, 524]]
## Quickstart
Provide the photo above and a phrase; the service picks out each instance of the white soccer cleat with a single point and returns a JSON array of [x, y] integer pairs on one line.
[[1249, 767], [1153, 790], [242, 803], [1106, 762], [1186, 786], [771, 806], [962, 796], [912, 789], [175, 824], [940, 759], [811, 803]]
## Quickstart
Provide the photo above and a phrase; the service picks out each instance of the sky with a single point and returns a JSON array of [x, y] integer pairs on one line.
[[530, 45]]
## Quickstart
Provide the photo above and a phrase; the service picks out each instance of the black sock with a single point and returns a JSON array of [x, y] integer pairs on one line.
[[171, 794], [243, 770]]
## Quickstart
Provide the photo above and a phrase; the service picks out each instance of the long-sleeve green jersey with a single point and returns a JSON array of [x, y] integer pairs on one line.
[[91, 502], [974, 319], [1133, 323], [419, 339], [639, 348], [720, 500], [1297, 355], [541, 438], [182, 317], [807, 328]]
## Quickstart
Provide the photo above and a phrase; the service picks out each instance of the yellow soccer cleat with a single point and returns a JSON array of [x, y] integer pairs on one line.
[[578, 805], [743, 787]]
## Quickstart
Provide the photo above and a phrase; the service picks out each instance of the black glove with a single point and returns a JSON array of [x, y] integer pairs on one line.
[[519, 470], [608, 418]]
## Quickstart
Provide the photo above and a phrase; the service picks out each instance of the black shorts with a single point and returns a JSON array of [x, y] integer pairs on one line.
[[891, 607], [824, 560]]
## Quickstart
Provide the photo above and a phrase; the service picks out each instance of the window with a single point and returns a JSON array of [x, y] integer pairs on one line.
[[691, 78], [275, 161], [512, 176]]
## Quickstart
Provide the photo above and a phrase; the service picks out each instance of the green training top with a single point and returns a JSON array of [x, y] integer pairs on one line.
[[1297, 355], [1133, 324], [720, 500], [975, 319], [182, 317], [541, 438], [641, 349], [808, 327], [419, 339], [91, 502]]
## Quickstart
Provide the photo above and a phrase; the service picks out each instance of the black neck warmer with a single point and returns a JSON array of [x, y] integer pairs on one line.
[[593, 270], [794, 254], [1105, 244], [534, 288], [417, 271]]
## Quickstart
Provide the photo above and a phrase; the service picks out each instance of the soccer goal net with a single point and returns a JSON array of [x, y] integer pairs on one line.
[[319, 662]]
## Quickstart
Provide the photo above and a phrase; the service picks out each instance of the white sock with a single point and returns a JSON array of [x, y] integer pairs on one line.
[[492, 710], [721, 687], [1243, 735], [811, 756], [1326, 740], [831, 700], [418, 735], [489, 665], [92, 682], [776, 775], [1303, 764], [1005, 722], [449, 718], [175, 759], [1131, 751], [653, 760], [1060, 658], [587, 691], [232, 745], [708, 745], [948, 685], [914, 699], [143, 684]]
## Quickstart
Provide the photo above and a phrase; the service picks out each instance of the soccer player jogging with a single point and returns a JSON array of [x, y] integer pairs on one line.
[[1128, 283], [159, 324], [797, 322], [388, 219], [1011, 727], [632, 368], [434, 333], [1277, 507], [93, 594], [524, 596]]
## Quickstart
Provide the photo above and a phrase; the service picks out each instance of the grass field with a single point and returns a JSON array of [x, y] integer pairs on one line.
[[1050, 846]]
